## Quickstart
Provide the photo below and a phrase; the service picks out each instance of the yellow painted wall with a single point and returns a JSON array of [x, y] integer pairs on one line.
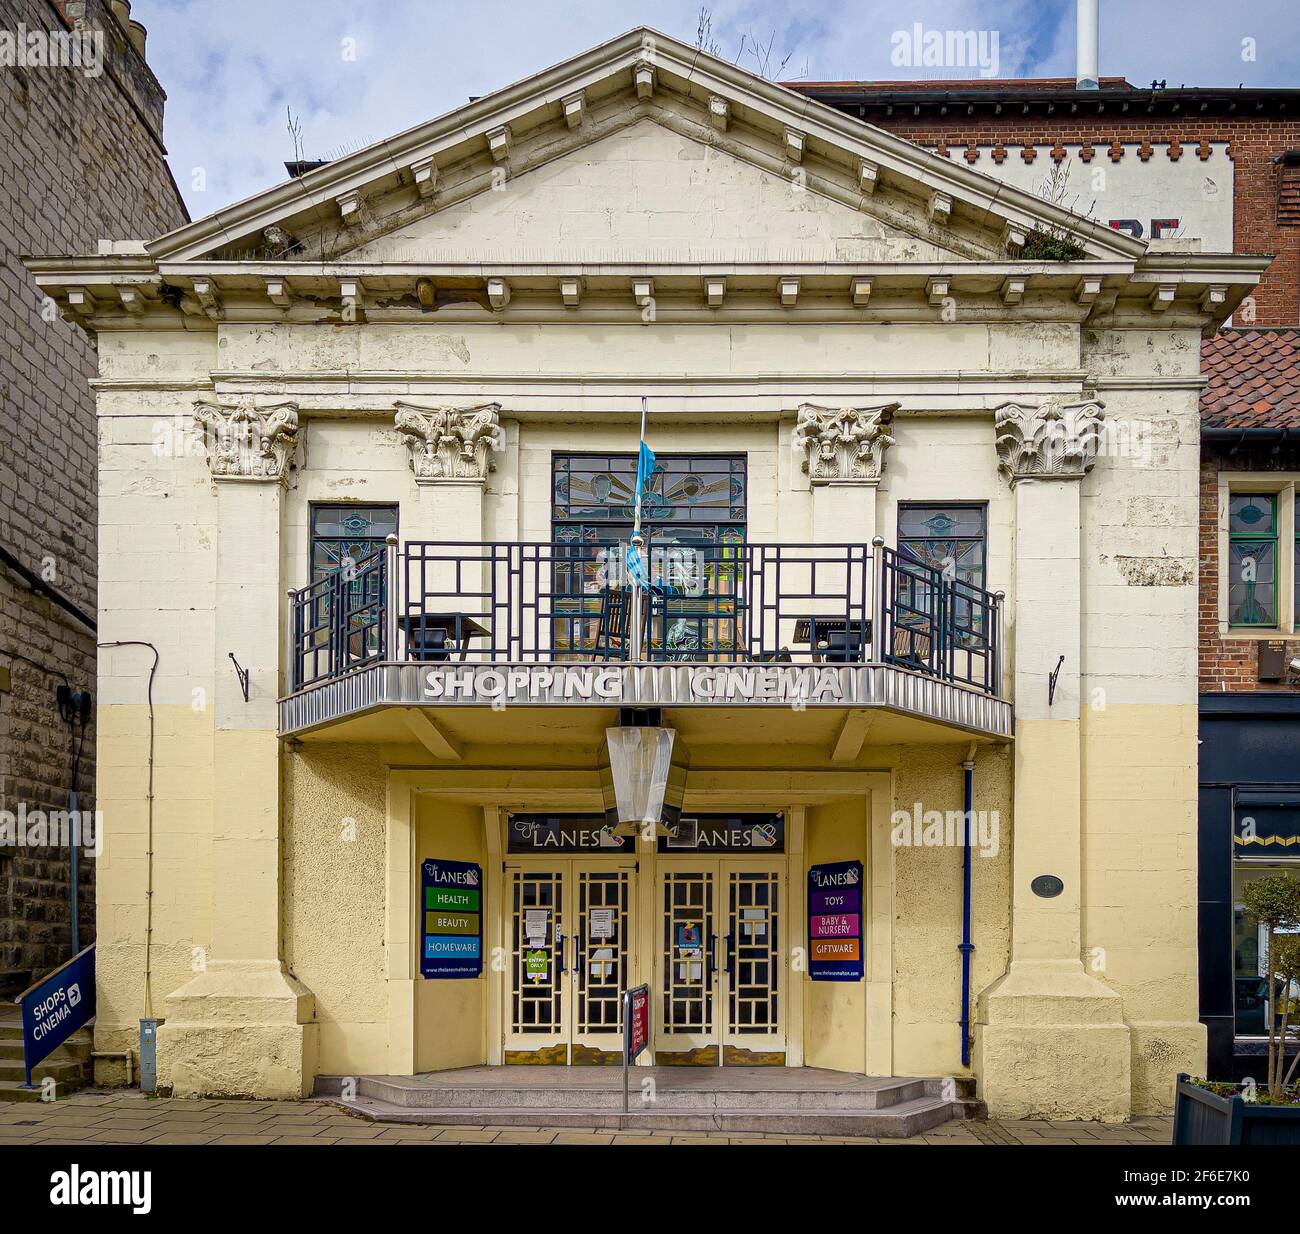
[[333, 913], [834, 1017], [928, 905], [450, 1016], [182, 873], [1139, 885]]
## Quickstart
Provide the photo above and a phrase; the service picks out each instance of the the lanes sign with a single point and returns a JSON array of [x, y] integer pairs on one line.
[[835, 921], [451, 910]]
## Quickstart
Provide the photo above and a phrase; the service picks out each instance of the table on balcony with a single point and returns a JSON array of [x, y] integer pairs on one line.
[[819, 633], [435, 636]]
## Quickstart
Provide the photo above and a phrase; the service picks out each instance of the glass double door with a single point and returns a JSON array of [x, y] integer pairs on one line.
[[570, 929], [721, 979]]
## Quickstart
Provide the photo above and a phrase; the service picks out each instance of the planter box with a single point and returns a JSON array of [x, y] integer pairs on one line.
[[1203, 1117]]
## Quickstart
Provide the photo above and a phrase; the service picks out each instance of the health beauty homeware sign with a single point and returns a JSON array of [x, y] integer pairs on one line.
[[451, 907], [835, 921]]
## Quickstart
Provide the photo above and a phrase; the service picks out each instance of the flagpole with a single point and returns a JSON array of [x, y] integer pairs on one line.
[[638, 543]]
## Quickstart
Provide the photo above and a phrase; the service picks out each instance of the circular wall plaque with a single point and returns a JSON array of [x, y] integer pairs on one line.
[[1047, 886]]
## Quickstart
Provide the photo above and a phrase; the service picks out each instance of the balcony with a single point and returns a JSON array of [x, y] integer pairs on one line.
[[450, 624]]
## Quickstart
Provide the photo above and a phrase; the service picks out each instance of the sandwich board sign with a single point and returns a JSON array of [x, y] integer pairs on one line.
[[451, 912]]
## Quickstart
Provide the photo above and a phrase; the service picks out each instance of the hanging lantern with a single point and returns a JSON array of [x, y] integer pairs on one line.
[[642, 778]]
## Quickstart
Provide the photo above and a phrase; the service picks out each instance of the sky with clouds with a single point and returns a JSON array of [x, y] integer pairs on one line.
[[353, 71]]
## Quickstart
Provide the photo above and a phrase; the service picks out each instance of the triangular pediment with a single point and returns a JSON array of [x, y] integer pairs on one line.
[[748, 162], [649, 193]]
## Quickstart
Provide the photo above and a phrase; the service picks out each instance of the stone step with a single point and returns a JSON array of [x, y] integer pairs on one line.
[[906, 1118], [13, 1090], [60, 1067], [426, 1092], [79, 1045]]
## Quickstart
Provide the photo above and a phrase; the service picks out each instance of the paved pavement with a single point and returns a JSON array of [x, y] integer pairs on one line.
[[107, 1116]]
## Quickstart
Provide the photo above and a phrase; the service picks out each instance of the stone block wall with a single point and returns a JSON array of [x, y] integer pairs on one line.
[[81, 161]]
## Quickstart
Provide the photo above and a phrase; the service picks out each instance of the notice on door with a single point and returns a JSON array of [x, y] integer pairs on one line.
[[452, 910], [835, 921]]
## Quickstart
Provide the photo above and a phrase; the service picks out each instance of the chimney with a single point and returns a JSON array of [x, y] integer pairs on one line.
[[1085, 45]]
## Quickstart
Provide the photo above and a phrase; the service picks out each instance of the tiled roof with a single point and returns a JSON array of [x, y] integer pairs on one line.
[[1254, 379]]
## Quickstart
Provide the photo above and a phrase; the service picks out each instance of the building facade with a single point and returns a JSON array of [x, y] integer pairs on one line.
[[1190, 168], [81, 160], [922, 539]]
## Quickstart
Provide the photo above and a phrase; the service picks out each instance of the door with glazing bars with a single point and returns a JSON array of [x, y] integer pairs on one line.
[[721, 967], [570, 930]]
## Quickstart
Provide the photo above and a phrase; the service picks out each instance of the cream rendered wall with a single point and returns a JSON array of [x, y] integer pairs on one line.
[[334, 826], [157, 526], [451, 1016], [1138, 718], [834, 1015], [928, 904]]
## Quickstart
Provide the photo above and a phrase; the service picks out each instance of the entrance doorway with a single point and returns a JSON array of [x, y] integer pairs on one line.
[[570, 924], [721, 980]]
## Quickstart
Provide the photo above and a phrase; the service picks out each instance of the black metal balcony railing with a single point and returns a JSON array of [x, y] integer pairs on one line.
[[741, 603]]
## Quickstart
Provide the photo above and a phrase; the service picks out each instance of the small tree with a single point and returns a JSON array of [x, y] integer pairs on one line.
[[1275, 903]]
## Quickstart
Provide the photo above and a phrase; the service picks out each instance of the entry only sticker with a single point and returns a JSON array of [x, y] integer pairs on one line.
[[451, 908], [835, 921]]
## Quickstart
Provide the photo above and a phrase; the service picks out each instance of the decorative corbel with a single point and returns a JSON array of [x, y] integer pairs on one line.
[[1051, 440], [246, 440], [450, 443], [843, 444]]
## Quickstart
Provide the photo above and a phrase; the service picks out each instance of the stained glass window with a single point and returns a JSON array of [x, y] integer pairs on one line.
[[1252, 559], [693, 501], [347, 532], [950, 538]]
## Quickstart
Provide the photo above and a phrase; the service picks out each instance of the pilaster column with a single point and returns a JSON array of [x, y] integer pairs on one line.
[[842, 451], [243, 1008], [1047, 1026], [452, 449]]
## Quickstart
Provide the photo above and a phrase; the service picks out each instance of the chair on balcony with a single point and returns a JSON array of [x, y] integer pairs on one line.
[[612, 642]]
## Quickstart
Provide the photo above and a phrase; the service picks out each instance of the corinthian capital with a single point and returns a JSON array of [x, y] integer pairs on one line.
[[450, 443], [1051, 440], [246, 440], [844, 443]]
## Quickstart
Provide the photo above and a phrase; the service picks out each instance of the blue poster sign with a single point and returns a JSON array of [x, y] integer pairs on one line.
[[451, 912], [835, 921], [56, 1008]]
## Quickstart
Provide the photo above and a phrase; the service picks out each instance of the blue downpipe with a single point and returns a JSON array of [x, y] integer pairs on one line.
[[966, 946]]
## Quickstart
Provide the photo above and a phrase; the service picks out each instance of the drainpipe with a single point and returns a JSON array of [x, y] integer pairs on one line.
[[966, 947]]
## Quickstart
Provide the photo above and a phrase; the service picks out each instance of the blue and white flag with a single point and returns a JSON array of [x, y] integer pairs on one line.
[[645, 465], [636, 570]]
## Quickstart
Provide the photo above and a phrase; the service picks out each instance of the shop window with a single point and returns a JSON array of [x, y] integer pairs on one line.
[[1252, 559], [1253, 1000]]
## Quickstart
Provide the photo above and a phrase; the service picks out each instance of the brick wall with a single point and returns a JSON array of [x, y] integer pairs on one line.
[[81, 159], [1229, 665], [1253, 145]]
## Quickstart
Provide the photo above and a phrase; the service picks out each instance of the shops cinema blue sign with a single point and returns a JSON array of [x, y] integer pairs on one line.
[[451, 909], [56, 1008], [835, 921]]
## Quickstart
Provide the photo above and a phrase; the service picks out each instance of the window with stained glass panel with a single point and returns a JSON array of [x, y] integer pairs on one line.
[[692, 502], [1252, 559], [340, 534], [948, 538]]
